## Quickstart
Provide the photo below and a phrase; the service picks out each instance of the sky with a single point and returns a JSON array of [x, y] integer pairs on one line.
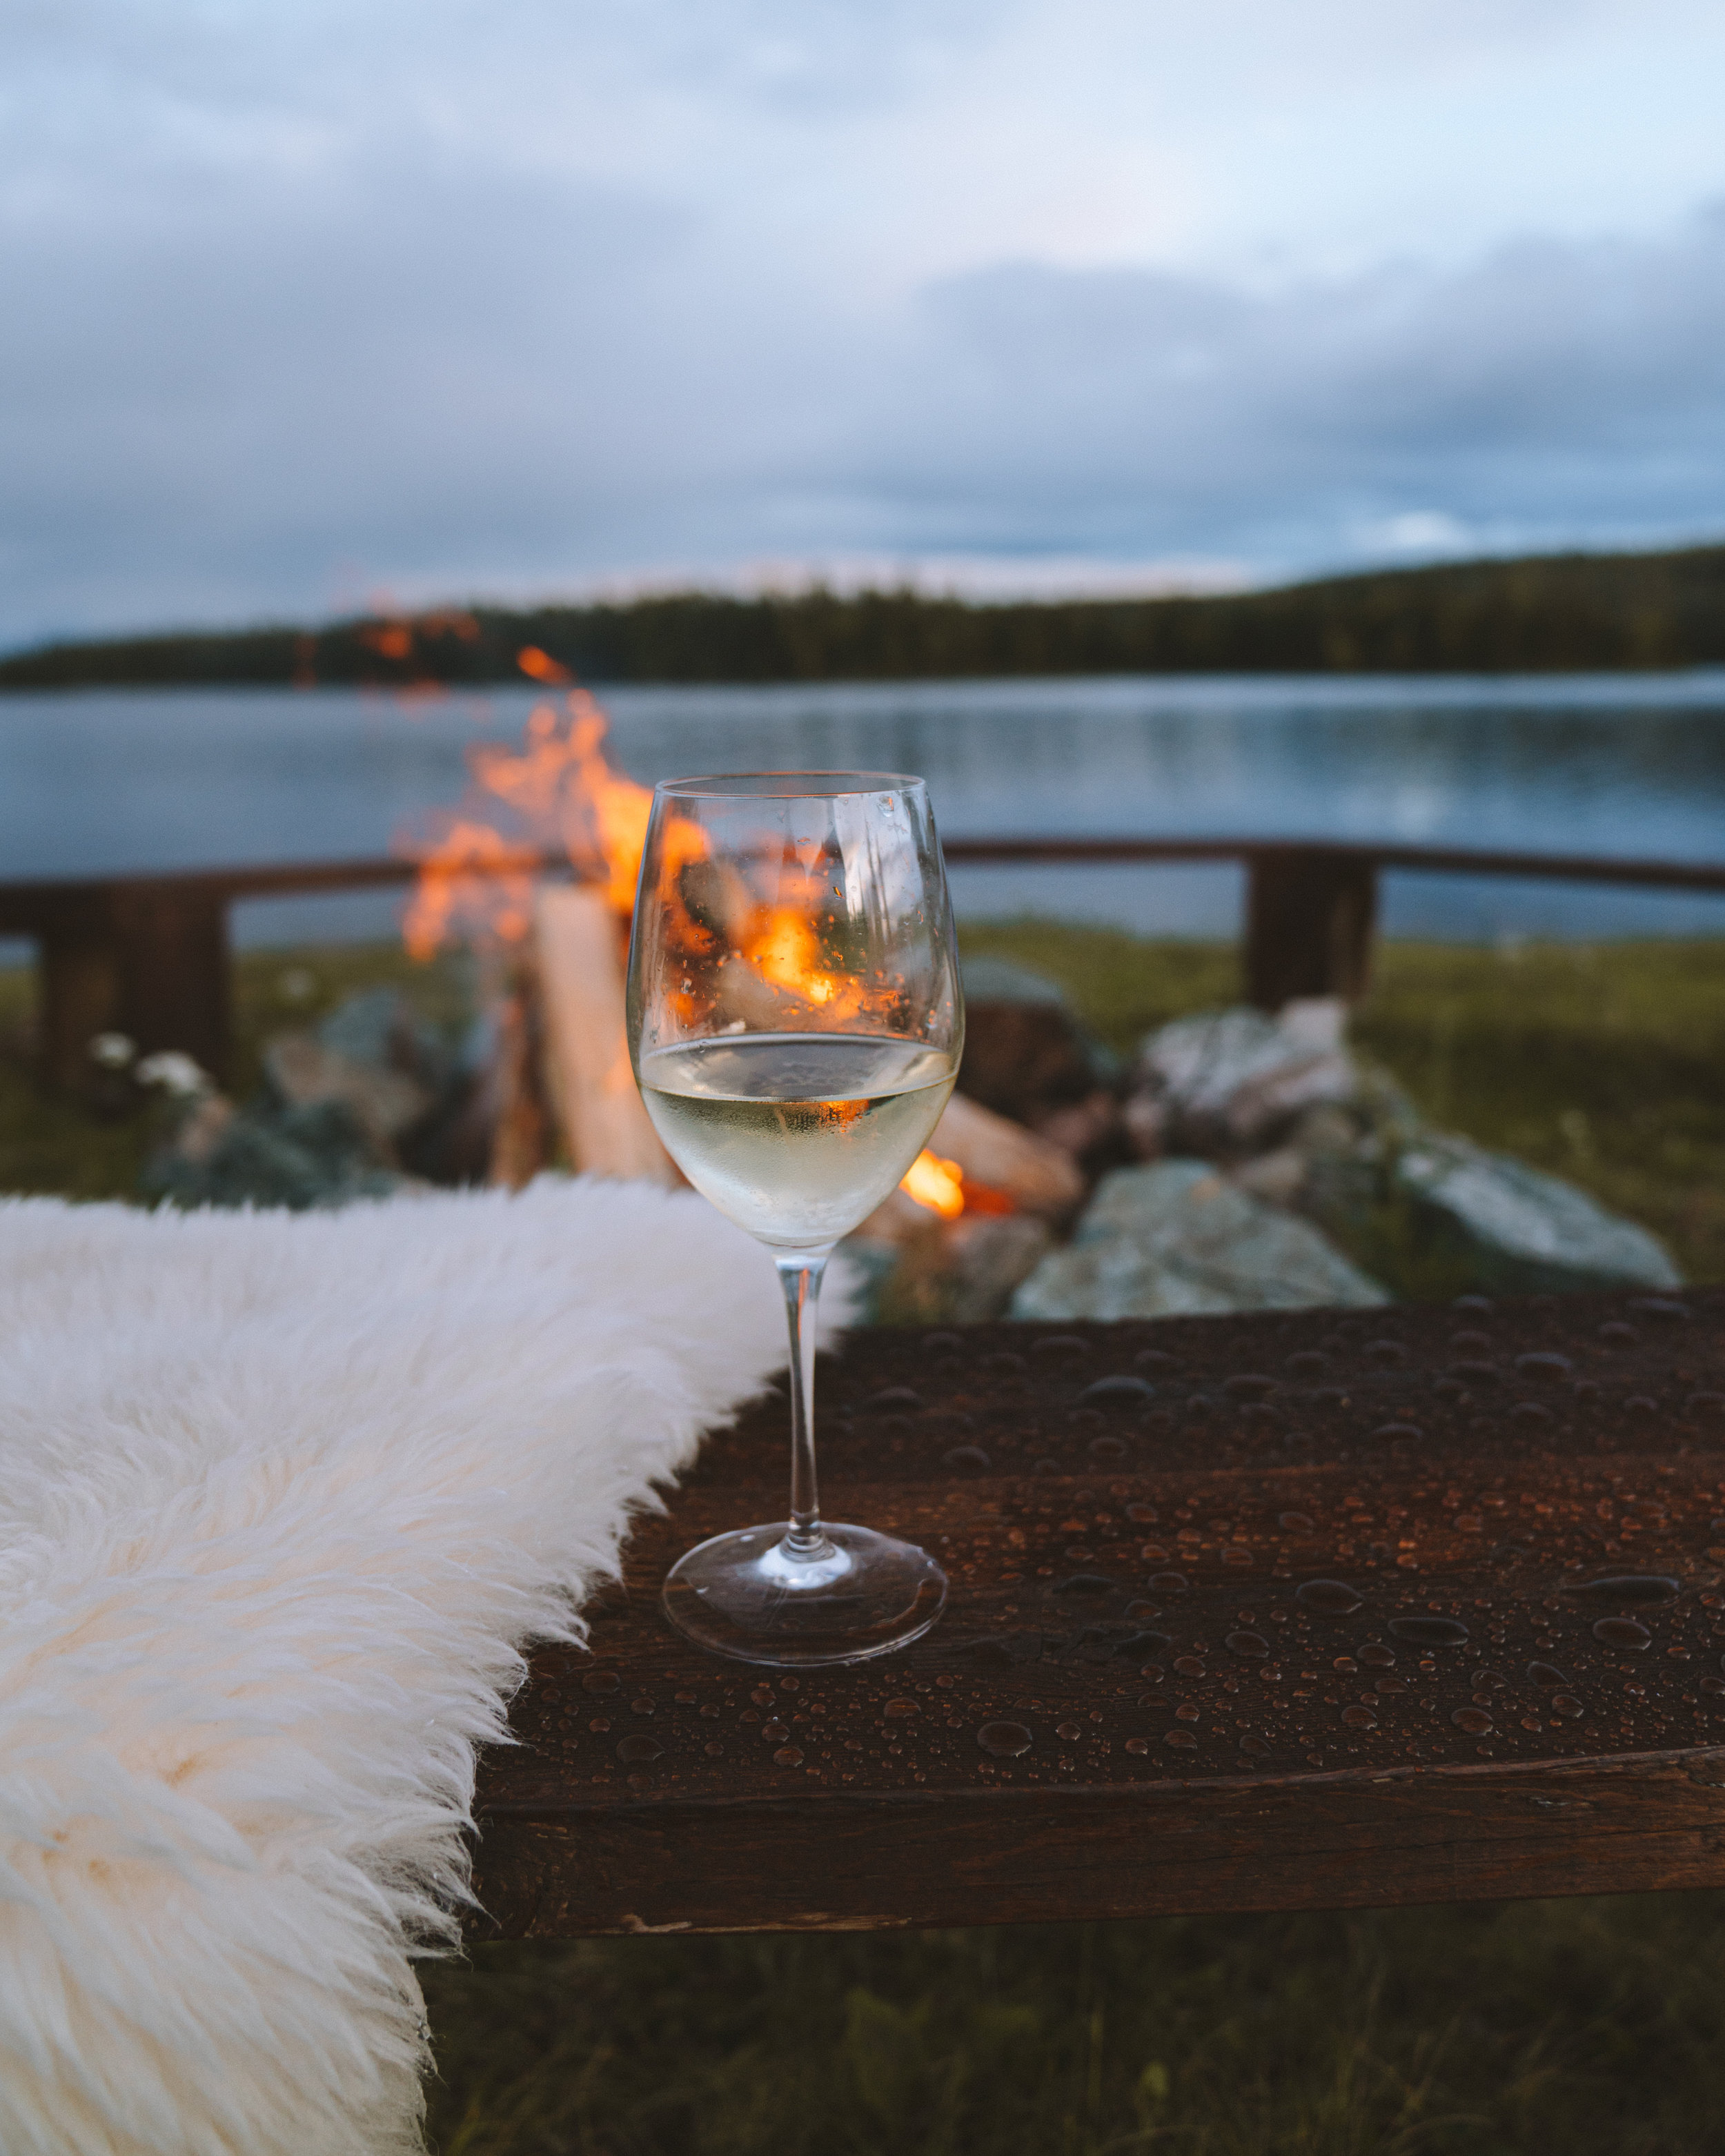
[[308, 303]]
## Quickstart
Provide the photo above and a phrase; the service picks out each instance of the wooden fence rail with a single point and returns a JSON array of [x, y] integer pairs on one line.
[[148, 955]]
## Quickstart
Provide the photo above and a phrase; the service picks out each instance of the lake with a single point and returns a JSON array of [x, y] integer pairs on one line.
[[91, 784]]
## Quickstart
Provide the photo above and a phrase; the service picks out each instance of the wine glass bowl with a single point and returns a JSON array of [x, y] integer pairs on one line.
[[796, 1022]]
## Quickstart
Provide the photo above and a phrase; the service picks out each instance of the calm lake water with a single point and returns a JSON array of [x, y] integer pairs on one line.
[[91, 784]]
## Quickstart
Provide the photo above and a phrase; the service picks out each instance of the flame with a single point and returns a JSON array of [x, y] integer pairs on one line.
[[389, 639], [473, 877], [540, 666], [936, 1183], [784, 952], [559, 790]]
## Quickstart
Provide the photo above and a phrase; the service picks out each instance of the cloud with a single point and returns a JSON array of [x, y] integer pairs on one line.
[[1553, 393], [297, 309]]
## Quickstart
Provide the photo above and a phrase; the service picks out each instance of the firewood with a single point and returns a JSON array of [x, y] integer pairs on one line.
[[592, 1087], [513, 1098], [1037, 1176]]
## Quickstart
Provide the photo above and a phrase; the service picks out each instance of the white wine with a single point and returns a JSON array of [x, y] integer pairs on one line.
[[796, 1136]]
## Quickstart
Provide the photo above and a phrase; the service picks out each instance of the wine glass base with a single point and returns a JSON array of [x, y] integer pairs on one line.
[[740, 1595]]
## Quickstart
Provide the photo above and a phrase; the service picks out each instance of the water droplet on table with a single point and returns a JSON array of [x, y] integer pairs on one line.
[[1628, 1590], [788, 1755], [1474, 1720], [1328, 1597], [1566, 1704], [1121, 1393], [1069, 1733], [1380, 1658], [1005, 1740], [1252, 1644], [637, 1751], [1359, 1717], [1623, 1632], [1546, 1675], [600, 1680]]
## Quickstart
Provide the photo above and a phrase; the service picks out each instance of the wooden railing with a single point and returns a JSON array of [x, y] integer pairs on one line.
[[148, 955]]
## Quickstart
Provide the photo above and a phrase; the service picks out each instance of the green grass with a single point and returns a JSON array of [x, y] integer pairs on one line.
[[1593, 2027]]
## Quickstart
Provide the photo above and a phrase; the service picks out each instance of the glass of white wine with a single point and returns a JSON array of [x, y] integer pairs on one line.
[[796, 1022]]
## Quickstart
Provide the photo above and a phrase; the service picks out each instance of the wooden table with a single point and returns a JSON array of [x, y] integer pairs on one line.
[[1270, 1612]]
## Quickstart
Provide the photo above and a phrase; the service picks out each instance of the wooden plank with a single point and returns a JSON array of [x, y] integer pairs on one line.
[[1127, 1571]]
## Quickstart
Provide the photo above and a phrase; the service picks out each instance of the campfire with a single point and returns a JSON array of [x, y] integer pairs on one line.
[[554, 947]]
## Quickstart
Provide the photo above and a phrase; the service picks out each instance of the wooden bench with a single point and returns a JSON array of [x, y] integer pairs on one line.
[[1314, 1621]]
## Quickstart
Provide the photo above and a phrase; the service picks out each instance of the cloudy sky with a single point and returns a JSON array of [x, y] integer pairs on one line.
[[307, 301]]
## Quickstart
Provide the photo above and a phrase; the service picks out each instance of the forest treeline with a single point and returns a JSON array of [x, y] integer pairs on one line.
[[1547, 614]]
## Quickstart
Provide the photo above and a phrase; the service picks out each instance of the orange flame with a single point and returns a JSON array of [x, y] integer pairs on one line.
[[469, 880], [540, 666], [936, 1183], [560, 790]]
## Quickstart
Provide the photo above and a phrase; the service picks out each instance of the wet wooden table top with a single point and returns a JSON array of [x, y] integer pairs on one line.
[[1278, 1611]]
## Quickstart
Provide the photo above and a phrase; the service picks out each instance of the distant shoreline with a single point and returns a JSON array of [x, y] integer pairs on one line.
[[1564, 614]]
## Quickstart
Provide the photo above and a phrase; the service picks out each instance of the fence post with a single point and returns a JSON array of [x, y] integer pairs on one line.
[[175, 969], [1311, 912], [145, 956]]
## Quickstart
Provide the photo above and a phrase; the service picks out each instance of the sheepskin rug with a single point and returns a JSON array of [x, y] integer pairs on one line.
[[282, 1499]]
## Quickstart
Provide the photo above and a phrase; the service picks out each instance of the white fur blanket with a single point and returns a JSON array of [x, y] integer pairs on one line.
[[281, 1500]]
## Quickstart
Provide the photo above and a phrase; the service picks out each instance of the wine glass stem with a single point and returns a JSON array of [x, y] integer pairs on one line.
[[800, 1277]]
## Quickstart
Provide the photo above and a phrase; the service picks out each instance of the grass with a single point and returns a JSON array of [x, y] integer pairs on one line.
[[1588, 2026]]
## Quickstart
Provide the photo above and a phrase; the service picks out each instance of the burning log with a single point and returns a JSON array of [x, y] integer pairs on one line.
[[1037, 1176], [591, 1086]]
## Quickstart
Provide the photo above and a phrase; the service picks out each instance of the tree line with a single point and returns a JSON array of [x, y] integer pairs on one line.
[[1567, 613]]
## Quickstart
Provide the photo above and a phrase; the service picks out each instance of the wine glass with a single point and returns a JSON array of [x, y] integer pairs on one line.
[[796, 1021]]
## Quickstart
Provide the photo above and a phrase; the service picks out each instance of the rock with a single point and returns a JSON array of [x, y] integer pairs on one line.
[[1278, 1178], [991, 1258], [1092, 1130], [386, 1103], [1522, 1232], [379, 1029], [1026, 1053], [960, 1271], [1225, 1081], [1178, 1237], [341, 1111], [1038, 1177], [297, 1157]]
